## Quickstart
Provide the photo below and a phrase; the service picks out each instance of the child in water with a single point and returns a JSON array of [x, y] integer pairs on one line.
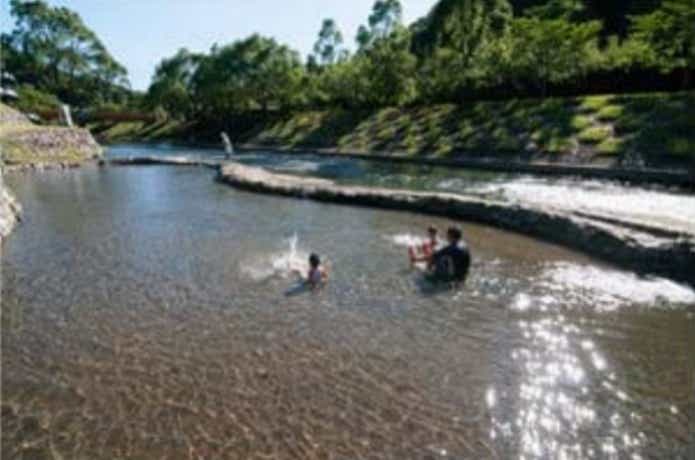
[[424, 252], [317, 275]]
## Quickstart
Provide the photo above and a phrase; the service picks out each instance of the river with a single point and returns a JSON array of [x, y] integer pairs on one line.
[[150, 312]]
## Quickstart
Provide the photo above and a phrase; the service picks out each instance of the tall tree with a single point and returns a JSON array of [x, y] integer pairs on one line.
[[52, 48], [250, 74], [385, 17], [461, 25], [171, 84], [451, 41], [328, 47], [670, 34], [390, 70], [551, 51]]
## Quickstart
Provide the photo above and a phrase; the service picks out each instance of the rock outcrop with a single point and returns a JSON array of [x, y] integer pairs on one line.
[[642, 249]]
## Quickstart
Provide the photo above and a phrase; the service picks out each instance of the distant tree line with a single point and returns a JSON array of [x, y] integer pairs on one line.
[[461, 50]]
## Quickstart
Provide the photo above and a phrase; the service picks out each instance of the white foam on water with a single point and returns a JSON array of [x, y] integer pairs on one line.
[[613, 199], [299, 166], [605, 289], [405, 239], [282, 264]]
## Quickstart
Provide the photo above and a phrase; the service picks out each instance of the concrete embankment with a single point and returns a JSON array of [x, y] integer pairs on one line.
[[642, 249]]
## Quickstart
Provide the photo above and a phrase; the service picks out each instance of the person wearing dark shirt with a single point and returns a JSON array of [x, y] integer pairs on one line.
[[451, 263]]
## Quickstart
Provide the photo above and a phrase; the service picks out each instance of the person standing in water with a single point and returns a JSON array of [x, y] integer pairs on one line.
[[451, 263], [424, 252]]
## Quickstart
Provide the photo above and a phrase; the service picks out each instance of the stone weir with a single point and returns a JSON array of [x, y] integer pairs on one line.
[[640, 248]]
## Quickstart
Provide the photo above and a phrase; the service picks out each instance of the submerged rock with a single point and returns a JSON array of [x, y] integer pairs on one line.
[[643, 249]]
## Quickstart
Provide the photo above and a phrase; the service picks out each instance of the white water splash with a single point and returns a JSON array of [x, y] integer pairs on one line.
[[282, 264], [405, 239], [655, 207]]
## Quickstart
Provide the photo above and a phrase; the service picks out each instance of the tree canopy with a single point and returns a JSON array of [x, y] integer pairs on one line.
[[53, 49]]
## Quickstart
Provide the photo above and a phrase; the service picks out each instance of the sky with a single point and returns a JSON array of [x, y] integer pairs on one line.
[[139, 33]]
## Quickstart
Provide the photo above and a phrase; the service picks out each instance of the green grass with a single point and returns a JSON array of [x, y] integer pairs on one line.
[[594, 103], [610, 113], [22, 142], [610, 146], [594, 135], [652, 125], [580, 122]]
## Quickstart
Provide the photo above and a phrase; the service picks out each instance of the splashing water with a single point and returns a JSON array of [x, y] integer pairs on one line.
[[279, 264], [405, 239]]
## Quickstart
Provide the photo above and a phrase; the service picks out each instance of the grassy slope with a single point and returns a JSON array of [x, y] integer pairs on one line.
[[625, 128], [126, 131], [22, 142]]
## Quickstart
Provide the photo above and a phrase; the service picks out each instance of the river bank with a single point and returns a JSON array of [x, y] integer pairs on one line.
[[613, 131], [25, 145]]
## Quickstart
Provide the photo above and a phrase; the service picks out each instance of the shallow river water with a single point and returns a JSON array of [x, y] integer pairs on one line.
[[655, 206], [148, 312]]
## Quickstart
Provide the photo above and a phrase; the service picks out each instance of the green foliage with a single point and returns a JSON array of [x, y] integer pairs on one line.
[[594, 135], [32, 100], [170, 88], [385, 18], [594, 103], [254, 73], [558, 9], [551, 51], [328, 48], [610, 113], [610, 146], [390, 70], [53, 49], [580, 122]]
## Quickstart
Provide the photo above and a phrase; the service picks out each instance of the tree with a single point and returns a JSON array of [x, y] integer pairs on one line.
[[250, 74], [328, 48], [390, 69], [385, 17], [451, 41], [670, 34], [171, 84], [571, 10], [461, 25], [551, 51], [52, 48]]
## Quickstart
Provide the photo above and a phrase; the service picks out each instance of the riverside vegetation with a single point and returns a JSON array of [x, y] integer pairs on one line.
[[495, 76], [630, 130]]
